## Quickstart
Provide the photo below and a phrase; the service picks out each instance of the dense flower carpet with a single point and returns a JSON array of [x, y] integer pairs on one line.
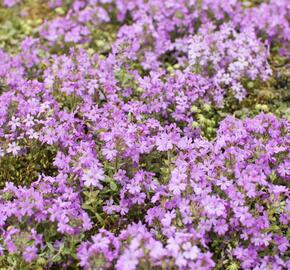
[[144, 134]]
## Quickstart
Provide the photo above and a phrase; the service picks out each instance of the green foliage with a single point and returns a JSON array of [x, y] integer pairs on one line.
[[24, 169], [21, 21], [56, 257]]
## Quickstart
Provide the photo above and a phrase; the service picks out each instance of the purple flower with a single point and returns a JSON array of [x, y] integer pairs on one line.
[[30, 253], [13, 148]]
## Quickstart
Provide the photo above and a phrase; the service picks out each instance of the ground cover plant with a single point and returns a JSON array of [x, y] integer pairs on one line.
[[144, 134]]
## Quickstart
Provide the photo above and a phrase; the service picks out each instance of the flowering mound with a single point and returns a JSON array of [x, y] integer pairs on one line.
[[222, 199], [133, 135], [228, 57]]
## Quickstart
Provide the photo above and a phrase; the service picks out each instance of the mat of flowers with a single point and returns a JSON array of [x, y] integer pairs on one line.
[[144, 134]]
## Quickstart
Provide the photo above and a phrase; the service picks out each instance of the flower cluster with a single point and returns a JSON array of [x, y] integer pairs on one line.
[[135, 246], [229, 57], [105, 162], [233, 188]]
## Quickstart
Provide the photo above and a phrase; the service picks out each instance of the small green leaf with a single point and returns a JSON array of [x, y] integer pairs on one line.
[[113, 186]]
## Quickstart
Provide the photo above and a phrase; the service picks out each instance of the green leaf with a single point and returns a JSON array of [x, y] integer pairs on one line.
[[233, 266], [100, 219], [113, 186]]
